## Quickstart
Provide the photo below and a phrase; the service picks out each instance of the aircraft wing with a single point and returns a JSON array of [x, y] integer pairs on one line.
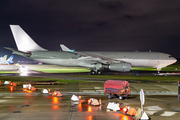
[[91, 58]]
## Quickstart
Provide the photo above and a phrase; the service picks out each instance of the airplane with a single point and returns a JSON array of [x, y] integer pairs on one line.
[[6, 64], [95, 61], [8, 61], [3, 59]]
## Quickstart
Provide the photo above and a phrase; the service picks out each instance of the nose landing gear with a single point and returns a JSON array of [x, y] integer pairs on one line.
[[159, 69]]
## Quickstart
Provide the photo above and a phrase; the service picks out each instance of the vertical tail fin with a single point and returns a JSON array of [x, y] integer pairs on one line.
[[3, 59], [23, 41], [9, 60]]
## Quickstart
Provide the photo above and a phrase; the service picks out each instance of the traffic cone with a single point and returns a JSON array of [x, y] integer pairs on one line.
[[14, 84], [100, 101], [33, 88], [59, 94], [95, 102]]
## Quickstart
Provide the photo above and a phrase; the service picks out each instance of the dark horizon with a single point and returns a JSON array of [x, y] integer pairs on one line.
[[110, 25]]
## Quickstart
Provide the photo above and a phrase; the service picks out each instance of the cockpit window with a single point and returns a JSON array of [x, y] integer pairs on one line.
[[170, 56]]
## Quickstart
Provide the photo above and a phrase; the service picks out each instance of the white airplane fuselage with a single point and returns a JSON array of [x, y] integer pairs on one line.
[[136, 59]]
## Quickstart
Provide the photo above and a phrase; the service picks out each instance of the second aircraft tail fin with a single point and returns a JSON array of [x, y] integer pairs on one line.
[[3, 59], [9, 60]]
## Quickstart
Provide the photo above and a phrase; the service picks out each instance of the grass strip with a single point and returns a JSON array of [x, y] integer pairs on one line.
[[62, 70], [4, 72], [22, 79], [134, 77]]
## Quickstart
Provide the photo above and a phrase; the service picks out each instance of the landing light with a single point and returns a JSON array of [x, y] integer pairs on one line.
[[23, 69]]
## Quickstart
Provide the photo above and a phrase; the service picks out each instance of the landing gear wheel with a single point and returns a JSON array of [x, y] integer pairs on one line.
[[98, 72], [121, 97], [93, 72], [109, 96], [127, 97]]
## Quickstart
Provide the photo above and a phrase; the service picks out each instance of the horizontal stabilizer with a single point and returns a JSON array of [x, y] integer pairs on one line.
[[17, 52]]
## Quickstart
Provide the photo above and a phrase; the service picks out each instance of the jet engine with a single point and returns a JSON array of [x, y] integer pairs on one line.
[[121, 67]]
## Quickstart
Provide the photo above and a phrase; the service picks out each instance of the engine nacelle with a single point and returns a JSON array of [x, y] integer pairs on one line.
[[121, 67]]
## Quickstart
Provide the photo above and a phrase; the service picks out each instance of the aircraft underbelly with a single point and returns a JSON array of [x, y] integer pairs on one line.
[[150, 63], [62, 62], [134, 62], [142, 63]]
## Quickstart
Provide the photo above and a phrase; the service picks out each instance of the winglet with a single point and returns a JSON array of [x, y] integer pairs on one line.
[[66, 49]]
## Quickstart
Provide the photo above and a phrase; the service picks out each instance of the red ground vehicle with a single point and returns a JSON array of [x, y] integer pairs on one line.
[[117, 88]]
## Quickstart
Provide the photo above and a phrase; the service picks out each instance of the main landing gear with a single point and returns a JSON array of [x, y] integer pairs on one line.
[[98, 72]]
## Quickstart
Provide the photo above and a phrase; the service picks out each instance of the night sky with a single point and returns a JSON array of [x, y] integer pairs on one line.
[[94, 25]]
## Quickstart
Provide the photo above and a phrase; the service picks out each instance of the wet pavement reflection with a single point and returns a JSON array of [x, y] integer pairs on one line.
[[19, 104]]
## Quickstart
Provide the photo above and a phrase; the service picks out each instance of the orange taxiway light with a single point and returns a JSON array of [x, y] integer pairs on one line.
[[28, 91], [89, 109], [89, 118], [55, 100], [121, 116], [55, 107], [124, 118], [11, 88], [80, 106]]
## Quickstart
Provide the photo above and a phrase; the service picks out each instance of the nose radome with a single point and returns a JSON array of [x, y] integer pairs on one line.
[[174, 60]]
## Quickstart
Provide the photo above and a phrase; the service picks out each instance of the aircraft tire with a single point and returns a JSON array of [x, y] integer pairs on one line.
[[93, 72], [99, 72], [109, 96], [121, 97]]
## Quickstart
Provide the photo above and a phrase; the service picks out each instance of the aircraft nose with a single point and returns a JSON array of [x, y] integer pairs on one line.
[[174, 60]]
